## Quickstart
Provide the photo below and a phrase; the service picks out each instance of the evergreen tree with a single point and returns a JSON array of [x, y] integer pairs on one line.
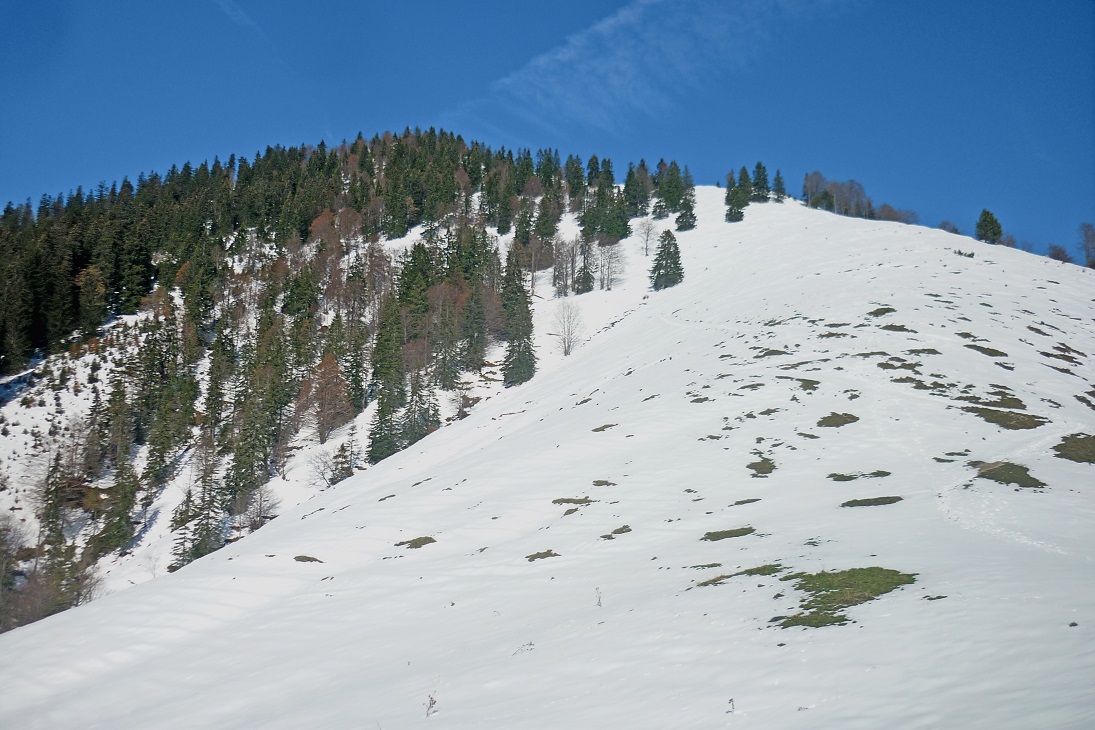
[[666, 270], [760, 184], [778, 188], [686, 219], [988, 228], [520, 362], [421, 416]]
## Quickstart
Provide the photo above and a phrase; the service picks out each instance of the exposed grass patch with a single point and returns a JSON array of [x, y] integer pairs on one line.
[[1003, 399], [900, 365], [763, 467], [991, 352], [603, 483], [771, 569], [705, 566], [1077, 447], [416, 543], [307, 559], [726, 534], [541, 555], [830, 593], [896, 328], [1012, 420], [701, 399], [605, 427], [881, 311], [923, 351], [850, 477], [573, 500], [771, 352], [1004, 472], [871, 502], [745, 501], [834, 334], [622, 530], [836, 420]]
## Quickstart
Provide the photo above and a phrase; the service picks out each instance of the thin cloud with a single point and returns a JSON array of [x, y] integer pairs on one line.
[[636, 65], [240, 17]]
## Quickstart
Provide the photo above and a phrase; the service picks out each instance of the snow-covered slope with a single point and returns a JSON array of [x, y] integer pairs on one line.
[[806, 361]]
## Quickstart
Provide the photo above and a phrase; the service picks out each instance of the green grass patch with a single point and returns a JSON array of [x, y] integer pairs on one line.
[[705, 566], [541, 555], [573, 500], [871, 502], [987, 351], [1012, 420], [726, 534], [1004, 472], [1077, 447], [603, 483], [923, 351], [896, 328], [881, 311], [771, 352], [622, 530], [763, 467], [745, 501], [770, 569], [416, 543], [830, 593], [878, 474], [605, 427], [836, 420]]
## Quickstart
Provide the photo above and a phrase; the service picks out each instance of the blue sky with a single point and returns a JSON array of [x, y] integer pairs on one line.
[[942, 107]]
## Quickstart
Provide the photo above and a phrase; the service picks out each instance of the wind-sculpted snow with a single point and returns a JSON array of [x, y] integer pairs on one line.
[[617, 542]]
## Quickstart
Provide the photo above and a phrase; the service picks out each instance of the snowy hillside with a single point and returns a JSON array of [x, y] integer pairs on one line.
[[636, 538]]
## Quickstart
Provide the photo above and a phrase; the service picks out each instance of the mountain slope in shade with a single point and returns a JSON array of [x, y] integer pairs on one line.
[[539, 563]]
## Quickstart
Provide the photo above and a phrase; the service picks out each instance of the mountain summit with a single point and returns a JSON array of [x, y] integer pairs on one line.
[[840, 476]]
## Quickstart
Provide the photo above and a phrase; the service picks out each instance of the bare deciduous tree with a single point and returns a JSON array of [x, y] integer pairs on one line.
[[646, 230], [1087, 244], [568, 322]]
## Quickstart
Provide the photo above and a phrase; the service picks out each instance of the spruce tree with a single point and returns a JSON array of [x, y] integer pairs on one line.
[[520, 362], [760, 184], [686, 219], [778, 188], [666, 270], [988, 228]]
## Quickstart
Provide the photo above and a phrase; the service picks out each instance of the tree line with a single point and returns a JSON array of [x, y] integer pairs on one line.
[[271, 309]]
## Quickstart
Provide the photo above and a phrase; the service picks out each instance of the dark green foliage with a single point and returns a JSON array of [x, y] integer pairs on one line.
[[760, 184], [686, 219], [520, 362], [779, 190], [988, 228], [666, 270]]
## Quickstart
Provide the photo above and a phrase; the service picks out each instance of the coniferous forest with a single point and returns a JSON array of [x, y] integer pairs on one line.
[[270, 306]]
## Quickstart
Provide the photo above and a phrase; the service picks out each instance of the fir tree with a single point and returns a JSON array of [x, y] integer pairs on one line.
[[520, 362], [760, 184], [666, 270], [988, 228], [778, 188], [686, 219]]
